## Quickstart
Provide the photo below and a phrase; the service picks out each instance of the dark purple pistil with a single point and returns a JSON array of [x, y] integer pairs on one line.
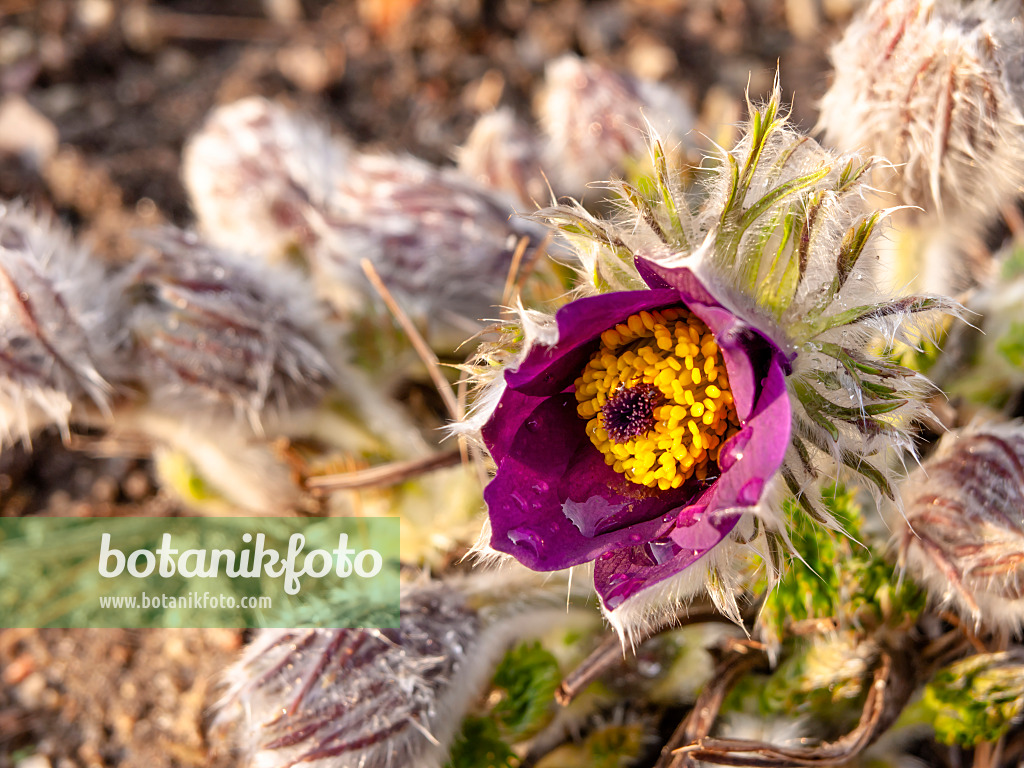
[[629, 412]]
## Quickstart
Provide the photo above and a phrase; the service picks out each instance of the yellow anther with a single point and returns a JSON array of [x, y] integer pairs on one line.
[[611, 338], [649, 410]]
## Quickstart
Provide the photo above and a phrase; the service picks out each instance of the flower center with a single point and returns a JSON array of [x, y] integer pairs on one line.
[[656, 398]]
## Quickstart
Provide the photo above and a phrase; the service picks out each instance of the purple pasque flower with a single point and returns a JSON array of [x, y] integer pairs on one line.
[[730, 355], [570, 485]]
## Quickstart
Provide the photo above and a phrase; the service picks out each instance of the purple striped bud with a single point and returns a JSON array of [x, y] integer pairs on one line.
[[963, 536], [214, 331], [330, 698], [598, 121], [935, 87], [56, 329]]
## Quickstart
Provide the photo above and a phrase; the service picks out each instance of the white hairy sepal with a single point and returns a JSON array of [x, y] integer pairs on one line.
[[403, 704], [60, 327]]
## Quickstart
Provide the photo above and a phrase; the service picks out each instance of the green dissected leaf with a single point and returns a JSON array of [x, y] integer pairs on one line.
[[838, 578], [857, 463], [479, 745], [976, 700], [780, 284], [906, 305], [528, 677], [854, 241], [661, 180], [643, 207]]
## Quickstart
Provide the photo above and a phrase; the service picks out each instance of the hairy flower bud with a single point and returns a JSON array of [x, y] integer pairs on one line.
[[503, 153], [57, 332], [378, 698], [963, 533], [597, 122], [253, 172], [214, 331], [935, 87], [441, 242]]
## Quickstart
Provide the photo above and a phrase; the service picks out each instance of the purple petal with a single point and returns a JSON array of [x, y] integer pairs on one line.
[[749, 459], [554, 502], [690, 288], [549, 370]]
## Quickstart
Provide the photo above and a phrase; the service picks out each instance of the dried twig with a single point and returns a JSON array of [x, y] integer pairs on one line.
[[444, 388], [740, 657], [382, 475]]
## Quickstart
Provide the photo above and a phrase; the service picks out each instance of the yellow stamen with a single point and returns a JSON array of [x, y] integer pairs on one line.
[[682, 419]]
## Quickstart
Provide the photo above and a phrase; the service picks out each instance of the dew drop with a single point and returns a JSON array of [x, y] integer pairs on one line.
[[524, 537], [533, 424], [540, 487], [751, 491], [733, 451]]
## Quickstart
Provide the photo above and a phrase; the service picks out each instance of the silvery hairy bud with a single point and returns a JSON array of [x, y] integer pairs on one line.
[[440, 241], [378, 698], [215, 332], [963, 533], [503, 153], [935, 86], [597, 122], [57, 326]]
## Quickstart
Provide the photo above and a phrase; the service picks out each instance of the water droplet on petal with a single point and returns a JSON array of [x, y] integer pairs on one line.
[[540, 487], [733, 450], [532, 424], [750, 493], [524, 537]]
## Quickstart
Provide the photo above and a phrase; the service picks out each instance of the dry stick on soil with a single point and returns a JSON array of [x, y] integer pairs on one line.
[[740, 657], [892, 686], [513, 270], [444, 389], [611, 653], [531, 263], [396, 472], [382, 475]]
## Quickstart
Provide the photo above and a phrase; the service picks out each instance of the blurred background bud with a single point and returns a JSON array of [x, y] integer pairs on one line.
[[212, 331], [597, 122], [253, 172], [380, 698], [58, 326], [961, 534], [982, 365], [504, 153], [935, 87], [279, 186]]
